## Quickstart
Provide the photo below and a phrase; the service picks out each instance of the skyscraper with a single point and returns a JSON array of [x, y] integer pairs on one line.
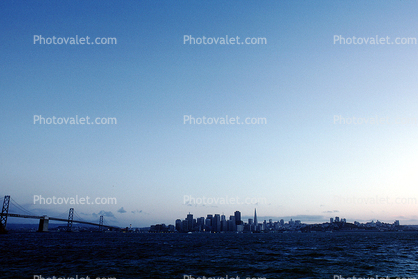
[[255, 217], [224, 226], [189, 222], [232, 224], [178, 225], [216, 223], [208, 222], [237, 218], [200, 223]]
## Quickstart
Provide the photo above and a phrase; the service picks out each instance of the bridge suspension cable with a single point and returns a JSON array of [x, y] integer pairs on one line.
[[78, 216], [18, 206]]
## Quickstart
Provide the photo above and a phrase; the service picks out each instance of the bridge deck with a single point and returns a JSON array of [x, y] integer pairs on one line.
[[53, 219]]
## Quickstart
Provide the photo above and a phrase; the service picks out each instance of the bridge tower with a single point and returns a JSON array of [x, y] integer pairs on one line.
[[70, 219], [4, 212], [101, 223], [43, 224]]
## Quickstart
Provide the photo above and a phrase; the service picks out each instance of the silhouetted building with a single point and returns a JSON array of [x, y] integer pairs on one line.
[[200, 225], [189, 222], [237, 215], [251, 226], [184, 226], [232, 225], [216, 223], [224, 226], [178, 225], [208, 225]]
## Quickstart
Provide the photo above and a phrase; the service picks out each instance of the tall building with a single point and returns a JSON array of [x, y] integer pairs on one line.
[[224, 226], [184, 226], [200, 223], [189, 222], [216, 223], [208, 223], [232, 224], [237, 215], [255, 218], [178, 225]]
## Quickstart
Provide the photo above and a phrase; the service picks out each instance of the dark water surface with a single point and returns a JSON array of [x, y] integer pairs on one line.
[[320, 255]]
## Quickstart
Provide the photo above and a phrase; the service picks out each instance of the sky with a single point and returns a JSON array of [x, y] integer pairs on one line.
[[307, 160]]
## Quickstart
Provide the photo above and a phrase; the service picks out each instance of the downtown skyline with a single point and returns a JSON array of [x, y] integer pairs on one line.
[[216, 223]]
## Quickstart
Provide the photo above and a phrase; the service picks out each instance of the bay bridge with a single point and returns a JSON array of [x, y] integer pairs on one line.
[[44, 220]]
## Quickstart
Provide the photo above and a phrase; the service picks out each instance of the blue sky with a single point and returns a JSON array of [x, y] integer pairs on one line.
[[300, 162]]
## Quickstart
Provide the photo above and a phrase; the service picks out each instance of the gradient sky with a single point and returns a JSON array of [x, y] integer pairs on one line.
[[302, 164]]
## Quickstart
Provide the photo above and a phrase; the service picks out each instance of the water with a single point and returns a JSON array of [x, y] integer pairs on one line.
[[118, 255]]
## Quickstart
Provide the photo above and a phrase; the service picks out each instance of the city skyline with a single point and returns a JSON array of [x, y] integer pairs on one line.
[[216, 223], [237, 214]]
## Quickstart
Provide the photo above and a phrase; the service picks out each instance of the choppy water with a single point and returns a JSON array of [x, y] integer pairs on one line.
[[118, 255]]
